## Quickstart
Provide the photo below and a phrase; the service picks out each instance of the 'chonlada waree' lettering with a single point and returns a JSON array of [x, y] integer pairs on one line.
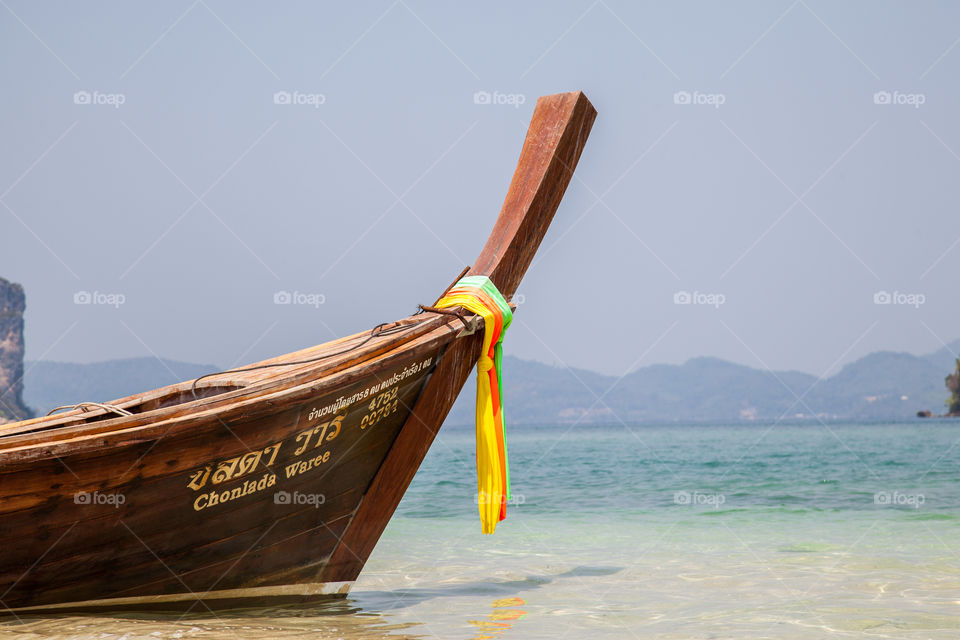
[[240, 466], [307, 450]]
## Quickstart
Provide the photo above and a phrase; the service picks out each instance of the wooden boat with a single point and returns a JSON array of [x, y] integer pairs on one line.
[[266, 484]]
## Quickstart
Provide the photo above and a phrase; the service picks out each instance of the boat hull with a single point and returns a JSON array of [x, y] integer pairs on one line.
[[241, 507], [268, 483]]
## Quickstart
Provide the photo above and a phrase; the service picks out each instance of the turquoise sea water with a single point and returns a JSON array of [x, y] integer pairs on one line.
[[707, 531]]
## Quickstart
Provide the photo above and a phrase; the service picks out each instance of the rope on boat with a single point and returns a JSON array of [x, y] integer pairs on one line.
[[376, 332], [112, 408], [479, 295]]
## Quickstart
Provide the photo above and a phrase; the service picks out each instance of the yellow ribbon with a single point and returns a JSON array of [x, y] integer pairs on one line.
[[477, 294]]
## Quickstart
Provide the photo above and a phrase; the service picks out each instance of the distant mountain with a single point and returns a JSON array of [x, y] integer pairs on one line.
[[49, 384], [884, 384], [881, 385], [700, 389]]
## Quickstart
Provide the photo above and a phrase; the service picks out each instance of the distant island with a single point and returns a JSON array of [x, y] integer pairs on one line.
[[882, 385], [953, 384], [953, 402]]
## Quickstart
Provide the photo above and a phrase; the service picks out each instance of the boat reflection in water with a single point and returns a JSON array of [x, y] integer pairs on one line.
[[503, 616]]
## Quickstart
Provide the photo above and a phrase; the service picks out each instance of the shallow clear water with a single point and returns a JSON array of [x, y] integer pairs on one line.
[[711, 531]]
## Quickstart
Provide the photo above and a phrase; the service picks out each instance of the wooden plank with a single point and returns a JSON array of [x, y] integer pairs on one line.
[[260, 383], [71, 440]]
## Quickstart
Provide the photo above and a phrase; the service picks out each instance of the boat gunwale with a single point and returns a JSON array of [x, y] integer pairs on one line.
[[250, 387], [65, 439]]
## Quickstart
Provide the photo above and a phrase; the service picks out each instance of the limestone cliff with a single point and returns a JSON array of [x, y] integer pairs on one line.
[[12, 306], [953, 385]]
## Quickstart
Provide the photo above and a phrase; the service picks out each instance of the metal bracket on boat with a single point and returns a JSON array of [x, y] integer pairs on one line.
[[471, 323], [475, 323]]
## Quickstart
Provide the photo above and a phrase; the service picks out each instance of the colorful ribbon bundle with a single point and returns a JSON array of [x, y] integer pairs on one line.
[[479, 295]]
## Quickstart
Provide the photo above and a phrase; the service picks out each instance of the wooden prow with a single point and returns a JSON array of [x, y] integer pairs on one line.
[[557, 135]]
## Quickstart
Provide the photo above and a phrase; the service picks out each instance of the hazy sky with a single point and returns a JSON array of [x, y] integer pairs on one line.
[[742, 151]]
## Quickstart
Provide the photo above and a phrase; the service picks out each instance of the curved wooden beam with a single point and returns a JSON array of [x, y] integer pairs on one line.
[[555, 139]]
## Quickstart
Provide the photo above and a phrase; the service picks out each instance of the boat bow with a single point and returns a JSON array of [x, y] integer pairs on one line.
[[555, 139]]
